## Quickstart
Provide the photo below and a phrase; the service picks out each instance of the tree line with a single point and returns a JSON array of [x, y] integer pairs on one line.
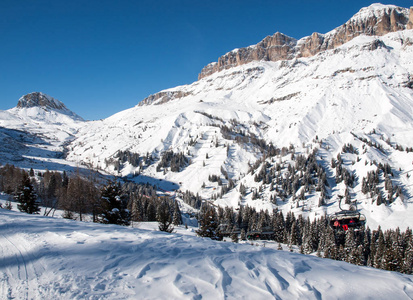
[[80, 195], [389, 250]]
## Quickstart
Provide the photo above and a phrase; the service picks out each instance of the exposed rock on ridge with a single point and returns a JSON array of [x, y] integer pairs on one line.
[[377, 19], [162, 97], [38, 99], [47, 103]]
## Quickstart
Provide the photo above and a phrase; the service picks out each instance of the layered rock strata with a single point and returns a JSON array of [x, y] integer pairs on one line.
[[376, 19]]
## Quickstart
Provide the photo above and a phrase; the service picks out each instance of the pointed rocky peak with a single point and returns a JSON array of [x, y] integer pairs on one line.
[[45, 102], [38, 99]]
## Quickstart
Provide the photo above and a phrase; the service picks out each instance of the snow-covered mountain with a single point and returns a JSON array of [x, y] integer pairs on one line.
[[35, 131], [46, 258], [359, 93], [352, 87]]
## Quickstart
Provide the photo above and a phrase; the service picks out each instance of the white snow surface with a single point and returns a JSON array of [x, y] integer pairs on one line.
[[48, 258]]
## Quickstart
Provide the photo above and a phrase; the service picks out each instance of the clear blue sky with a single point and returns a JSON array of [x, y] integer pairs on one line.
[[101, 57]]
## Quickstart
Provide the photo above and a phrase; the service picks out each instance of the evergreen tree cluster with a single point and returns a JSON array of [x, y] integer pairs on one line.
[[192, 200], [208, 223], [342, 173], [399, 147], [176, 161], [215, 178], [370, 185], [123, 157], [349, 148], [304, 174], [390, 250], [240, 133], [146, 206], [370, 143], [126, 156]]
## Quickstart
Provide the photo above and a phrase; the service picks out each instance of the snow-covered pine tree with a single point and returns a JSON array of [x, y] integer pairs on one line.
[[208, 223], [330, 248], [234, 235], [279, 227], [380, 250], [113, 208], [27, 197]]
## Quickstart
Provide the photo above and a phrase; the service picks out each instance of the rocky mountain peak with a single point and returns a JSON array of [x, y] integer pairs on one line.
[[37, 99], [46, 103], [376, 19]]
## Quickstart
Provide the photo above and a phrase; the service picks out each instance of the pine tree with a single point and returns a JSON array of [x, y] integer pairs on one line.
[[113, 208], [177, 217], [164, 218], [349, 246], [366, 245], [293, 234], [208, 223], [330, 249], [234, 235], [407, 266], [380, 250], [151, 212], [278, 225], [26, 197], [243, 235]]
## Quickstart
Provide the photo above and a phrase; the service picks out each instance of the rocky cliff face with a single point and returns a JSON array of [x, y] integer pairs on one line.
[[376, 19]]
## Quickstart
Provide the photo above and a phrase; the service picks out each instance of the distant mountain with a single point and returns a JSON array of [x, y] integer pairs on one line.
[[36, 130], [37, 102]]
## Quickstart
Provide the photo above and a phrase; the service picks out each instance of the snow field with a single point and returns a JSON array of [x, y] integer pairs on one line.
[[46, 257]]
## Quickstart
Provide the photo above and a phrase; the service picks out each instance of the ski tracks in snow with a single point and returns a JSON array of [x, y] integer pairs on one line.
[[20, 270]]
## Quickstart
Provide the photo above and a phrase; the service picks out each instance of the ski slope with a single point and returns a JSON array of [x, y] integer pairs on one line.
[[46, 258]]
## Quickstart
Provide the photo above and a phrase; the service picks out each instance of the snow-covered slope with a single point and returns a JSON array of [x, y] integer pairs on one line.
[[46, 258]]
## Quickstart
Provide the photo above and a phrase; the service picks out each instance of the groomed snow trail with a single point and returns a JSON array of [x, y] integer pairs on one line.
[[45, 258]]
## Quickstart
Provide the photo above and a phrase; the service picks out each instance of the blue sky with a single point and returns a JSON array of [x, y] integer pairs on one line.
[[101, 57]]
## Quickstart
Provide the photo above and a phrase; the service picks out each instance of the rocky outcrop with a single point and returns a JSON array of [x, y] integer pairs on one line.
[[163, 97], [46, 103], [38, 99], [376, 19]]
